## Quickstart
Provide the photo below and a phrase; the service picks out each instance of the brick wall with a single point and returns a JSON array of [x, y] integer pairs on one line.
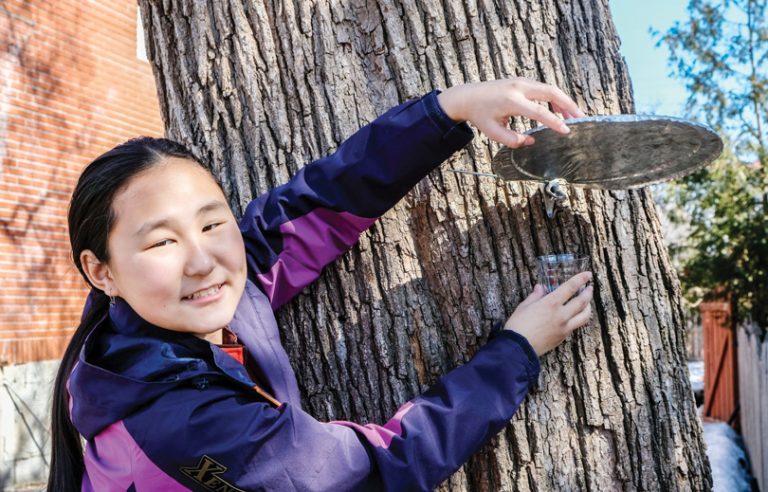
[[71, 87]]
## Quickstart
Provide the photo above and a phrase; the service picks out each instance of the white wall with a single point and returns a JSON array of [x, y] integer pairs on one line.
[[25, 409], [753, 398]]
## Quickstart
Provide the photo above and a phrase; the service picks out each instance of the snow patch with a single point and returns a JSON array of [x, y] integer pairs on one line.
[[729, 463], [696, 374]]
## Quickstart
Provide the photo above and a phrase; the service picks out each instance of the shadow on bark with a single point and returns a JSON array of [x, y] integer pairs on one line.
[[604, 394]]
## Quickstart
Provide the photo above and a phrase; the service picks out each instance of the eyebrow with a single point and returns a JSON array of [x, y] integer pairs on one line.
[[211, 206]]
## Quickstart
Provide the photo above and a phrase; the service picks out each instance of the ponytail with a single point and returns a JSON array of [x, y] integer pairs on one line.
[[67, 465], [90, 220]]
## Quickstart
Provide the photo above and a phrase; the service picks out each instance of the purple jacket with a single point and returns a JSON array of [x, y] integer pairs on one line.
[[164, 410]]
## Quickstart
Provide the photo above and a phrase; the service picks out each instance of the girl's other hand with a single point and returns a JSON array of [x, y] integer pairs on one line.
[[490, 105], [546, 320]]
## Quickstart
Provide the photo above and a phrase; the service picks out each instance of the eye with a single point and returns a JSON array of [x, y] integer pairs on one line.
[[211, 226], [164, 242]]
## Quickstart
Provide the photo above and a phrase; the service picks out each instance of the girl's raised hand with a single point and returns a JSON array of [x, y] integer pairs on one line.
[[490, 105]]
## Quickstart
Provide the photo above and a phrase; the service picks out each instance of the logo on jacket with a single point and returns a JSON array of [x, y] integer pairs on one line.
[[207, 472]]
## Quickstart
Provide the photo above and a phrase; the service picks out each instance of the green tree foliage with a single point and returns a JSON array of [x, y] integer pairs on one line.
[[726, 247], [721, 53]]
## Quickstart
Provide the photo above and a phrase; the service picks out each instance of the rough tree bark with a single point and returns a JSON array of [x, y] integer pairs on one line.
[[259, 87]]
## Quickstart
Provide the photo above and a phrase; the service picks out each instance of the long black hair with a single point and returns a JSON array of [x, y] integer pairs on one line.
[[91, 218]]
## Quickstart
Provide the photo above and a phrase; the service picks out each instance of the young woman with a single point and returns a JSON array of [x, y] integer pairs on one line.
[[163, 407]]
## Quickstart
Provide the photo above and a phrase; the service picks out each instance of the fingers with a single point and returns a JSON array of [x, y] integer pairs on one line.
[[580, 319], [505, 136], [565, 114], [490, 105], [538, 293], [569, 289], [553, 95], [578, 303], [560, 102], [539, 113]]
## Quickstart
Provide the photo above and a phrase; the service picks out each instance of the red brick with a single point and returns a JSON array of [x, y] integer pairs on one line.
[[80, 92]]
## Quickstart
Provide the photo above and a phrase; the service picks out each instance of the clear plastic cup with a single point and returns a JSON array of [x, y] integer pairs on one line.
[[555, 270]]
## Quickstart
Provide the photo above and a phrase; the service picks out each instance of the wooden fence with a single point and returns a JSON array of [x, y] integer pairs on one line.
[[694, 340], [721, 390], [753, 392]]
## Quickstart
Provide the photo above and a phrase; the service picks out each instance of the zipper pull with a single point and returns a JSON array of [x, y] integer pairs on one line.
[[267, 396]]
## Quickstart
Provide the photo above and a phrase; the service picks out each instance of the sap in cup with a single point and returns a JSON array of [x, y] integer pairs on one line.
[[555, 270]]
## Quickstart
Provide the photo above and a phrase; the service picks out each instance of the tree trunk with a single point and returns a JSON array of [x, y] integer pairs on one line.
[[257, 88]]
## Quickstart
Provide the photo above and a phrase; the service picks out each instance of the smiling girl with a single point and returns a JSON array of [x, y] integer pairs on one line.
[[176, 377]]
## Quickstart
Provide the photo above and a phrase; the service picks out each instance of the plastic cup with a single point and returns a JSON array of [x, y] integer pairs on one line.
[[555, 270]]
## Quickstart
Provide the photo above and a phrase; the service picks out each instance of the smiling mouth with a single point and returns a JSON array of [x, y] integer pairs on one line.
[[200, 294]]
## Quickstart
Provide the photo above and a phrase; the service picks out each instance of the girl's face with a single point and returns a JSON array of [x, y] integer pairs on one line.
[[176, 253]]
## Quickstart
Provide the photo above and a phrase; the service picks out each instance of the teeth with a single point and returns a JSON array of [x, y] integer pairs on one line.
[[204, 293]]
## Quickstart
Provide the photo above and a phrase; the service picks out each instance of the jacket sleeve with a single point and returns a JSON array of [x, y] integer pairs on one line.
[[241, 442], [295, 230]]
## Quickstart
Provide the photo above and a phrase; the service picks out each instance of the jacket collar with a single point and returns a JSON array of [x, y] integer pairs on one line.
[[127, 362]]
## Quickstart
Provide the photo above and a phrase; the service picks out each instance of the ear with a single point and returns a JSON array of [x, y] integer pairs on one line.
[[98, 273]]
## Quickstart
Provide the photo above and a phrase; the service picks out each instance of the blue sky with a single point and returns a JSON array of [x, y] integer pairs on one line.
[[655, 91]]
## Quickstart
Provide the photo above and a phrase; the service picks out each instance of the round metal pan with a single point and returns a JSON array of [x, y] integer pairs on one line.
[[612, 152]]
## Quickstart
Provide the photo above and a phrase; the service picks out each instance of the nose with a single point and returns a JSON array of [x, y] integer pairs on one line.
[[200, 261]]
